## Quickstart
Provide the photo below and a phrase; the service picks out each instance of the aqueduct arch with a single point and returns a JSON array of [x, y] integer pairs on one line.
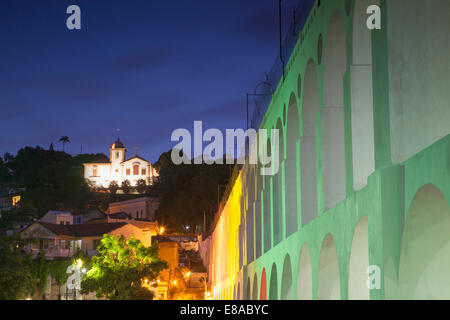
[[329, 283], [359, 262], [304, 276], [308, 142], [425, 250], [291, 186], [332, 114], [286, 279], [273, 291], [278, 191]]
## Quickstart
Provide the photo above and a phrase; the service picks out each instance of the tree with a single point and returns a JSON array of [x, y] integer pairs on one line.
[[188, 192], [121, 269], [8, 157], [125, 186], [113, 187], [64, 140], [141, 186], [51, 147], [16, 277]]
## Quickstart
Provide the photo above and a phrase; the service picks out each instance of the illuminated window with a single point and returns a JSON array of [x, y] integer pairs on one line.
[[144, 172], [136, 169], [94, 171], [128, 172], [117, 170], [15, 200]]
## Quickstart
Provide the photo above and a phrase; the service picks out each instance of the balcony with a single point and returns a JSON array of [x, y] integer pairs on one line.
[[54, 252]]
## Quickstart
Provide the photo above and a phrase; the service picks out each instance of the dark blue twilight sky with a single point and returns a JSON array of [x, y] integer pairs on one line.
[[144, 66]]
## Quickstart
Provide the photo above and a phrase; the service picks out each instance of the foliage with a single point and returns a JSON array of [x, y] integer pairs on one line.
[[41, 268], [16, 277], [64, 140], [126, 186], [53, 179], [40, 271], [141, 186], [58, 269], [113, 187], [188, 191], [119, 269], [17, 216]]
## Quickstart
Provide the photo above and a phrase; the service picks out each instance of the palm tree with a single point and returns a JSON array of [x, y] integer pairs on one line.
[[64, 140]]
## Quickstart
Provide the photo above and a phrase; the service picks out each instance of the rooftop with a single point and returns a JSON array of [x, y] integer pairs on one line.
[[118, 144], [82, 230]]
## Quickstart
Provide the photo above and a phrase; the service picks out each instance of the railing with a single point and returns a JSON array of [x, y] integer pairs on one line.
[[54, 251], [278, 69]]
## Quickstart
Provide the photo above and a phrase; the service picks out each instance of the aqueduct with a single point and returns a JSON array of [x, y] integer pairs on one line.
[[364, 179]]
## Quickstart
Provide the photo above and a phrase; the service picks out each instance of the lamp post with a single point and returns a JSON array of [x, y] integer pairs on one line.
[[255, 93]]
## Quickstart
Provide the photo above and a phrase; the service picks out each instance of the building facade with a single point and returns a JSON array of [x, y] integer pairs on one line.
[[141, 208], [118, 168]]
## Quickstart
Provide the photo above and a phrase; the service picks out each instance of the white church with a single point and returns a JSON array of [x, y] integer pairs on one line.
[[118, 169]]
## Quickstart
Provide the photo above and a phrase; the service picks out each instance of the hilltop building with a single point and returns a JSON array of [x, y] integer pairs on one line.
[[118, 168]]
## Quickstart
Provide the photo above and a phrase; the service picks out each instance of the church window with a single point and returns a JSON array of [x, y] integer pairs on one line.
[[128, 172], [136, 169], [143, 172], [117, 155], [117, 170], [94, 171]]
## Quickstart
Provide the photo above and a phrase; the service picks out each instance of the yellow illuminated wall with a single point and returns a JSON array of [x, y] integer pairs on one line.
[[225, 246]]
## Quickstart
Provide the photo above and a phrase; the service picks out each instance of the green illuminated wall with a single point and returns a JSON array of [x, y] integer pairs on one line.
[[365, 171]]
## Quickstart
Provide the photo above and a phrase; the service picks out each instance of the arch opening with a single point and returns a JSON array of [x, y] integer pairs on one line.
[[258, 212], [238, 296], [304, 277], [286, 280], [308, 145], [273, 291], [425, 249], [263, 290], [291, 186], [250, 214], [359, 262], [329, 283], [255, 288], [267, 206], [278, 191], [332, 114], [363, 148]]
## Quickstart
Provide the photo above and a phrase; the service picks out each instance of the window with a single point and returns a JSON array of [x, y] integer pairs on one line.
[[94, 171], [117, 155], [136, 169], [128, 172], [61, 222], [144, 172]]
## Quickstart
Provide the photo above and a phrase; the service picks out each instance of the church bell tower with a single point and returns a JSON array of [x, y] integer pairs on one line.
[[117, 156]]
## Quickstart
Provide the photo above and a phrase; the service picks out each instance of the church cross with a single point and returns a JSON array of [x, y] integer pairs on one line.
[[136, 148]]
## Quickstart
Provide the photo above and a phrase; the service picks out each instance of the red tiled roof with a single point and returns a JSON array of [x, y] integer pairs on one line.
[[82, 230]]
